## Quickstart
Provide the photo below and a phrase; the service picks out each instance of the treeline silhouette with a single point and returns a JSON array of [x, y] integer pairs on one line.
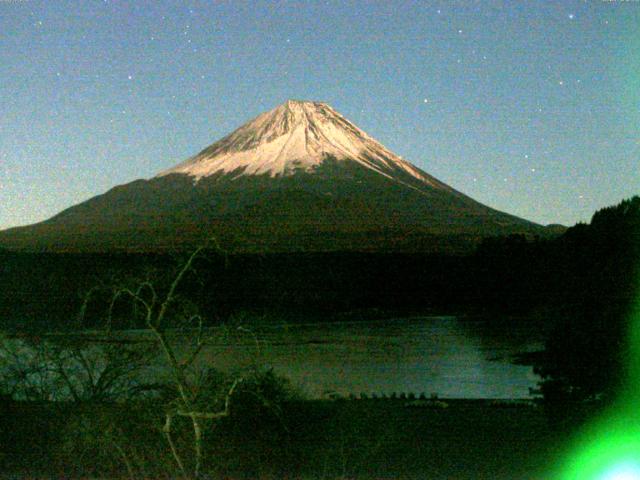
[[588, 351], [588, 280]]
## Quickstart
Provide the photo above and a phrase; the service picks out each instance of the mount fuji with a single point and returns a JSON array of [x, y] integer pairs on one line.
[[300, 177]]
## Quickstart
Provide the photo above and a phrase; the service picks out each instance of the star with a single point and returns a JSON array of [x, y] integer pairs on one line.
[[526, 156], [459, 31], [426, 100], [533, 169], [560, 83], [571, 16], [130, 77]]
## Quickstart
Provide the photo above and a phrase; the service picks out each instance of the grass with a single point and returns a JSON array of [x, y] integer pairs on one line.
[[384, 439], [343, 439]]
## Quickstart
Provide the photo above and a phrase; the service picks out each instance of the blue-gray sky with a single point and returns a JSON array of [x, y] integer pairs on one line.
[[532, 107]]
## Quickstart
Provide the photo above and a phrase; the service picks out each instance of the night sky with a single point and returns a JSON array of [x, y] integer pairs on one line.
[[531, 107]]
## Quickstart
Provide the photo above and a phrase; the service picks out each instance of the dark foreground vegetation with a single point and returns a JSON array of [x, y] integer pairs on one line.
[[312, 440]]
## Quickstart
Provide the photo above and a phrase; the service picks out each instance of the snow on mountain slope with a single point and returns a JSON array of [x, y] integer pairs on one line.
[[296, 136]]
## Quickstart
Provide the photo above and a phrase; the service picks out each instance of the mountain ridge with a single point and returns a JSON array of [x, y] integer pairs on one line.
[[300, 177]]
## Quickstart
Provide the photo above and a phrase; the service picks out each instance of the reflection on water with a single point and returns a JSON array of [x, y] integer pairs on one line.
[[440, 355]]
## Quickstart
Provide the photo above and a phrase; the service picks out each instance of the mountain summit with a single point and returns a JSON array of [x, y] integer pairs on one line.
[[295, 136], [300, 177]]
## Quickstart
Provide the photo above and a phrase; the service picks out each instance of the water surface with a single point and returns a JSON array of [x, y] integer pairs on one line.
[[435, 355]]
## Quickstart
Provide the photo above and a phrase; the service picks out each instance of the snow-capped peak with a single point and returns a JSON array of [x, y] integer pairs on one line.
[[297, 135]]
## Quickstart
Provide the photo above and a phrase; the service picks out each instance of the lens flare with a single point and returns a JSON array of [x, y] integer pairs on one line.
[[609, 450], [623, 471]]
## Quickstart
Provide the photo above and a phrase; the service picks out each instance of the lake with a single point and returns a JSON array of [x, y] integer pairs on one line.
[[443, 356], [433, 355]]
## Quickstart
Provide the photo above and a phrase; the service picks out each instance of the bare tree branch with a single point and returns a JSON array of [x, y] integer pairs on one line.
[[167, 432]]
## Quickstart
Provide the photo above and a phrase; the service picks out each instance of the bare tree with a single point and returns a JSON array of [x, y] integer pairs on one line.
[[68, 367], [153, 368], [189, 401]]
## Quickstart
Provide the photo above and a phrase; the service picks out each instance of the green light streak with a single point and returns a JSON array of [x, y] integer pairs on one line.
[[609, 448]]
